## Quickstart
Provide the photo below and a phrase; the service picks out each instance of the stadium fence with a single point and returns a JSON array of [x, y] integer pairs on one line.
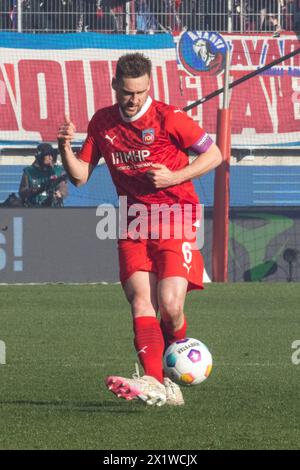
[[149, 16]]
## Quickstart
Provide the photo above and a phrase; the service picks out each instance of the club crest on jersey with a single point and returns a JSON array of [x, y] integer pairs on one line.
[[148, 136]]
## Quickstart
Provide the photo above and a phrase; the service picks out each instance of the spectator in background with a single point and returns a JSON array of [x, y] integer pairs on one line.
[[34, 16], [6, 7], [193, 15], [145, 20], [163, 15], [249, 15], [111, 16], [296, 19], [173, 22], [261, 14], [105, 19], [291, 15], [87, 14], [264, 15], [119, 12], [255, 15], [273, 9], [63, 15], [43, 184]]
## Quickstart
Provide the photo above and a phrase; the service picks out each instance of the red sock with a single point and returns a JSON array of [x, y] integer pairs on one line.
[[149, 344], [171, 336]]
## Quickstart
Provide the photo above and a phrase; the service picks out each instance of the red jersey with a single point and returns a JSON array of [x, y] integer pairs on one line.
[[159, 133]]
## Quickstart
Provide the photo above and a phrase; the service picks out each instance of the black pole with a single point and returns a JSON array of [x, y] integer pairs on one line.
[[241, 80]]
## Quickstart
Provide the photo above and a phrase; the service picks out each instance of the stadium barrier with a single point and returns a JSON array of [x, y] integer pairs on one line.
[[149, 16], [36, 246]]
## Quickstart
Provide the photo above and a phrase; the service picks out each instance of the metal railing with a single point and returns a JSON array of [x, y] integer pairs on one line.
[[149, 16]]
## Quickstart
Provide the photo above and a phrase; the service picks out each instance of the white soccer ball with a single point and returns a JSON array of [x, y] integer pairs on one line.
[[187, 362]]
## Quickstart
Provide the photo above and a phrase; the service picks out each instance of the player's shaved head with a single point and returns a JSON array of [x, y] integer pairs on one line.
[[133, 65]]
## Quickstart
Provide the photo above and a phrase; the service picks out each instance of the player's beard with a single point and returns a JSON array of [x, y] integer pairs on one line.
[[131, 111]]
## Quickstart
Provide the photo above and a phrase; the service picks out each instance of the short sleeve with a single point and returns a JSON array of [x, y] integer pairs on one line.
[[183, 128]]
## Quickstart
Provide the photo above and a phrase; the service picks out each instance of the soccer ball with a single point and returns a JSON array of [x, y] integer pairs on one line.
[[187, 362]]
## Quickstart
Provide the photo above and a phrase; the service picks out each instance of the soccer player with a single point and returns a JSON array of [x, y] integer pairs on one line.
[[145, 143]]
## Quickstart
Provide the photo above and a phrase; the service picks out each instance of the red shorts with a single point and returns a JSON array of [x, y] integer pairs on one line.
[[166, 258]]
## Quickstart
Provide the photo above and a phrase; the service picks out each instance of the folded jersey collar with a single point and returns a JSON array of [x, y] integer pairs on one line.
[[142, 111]]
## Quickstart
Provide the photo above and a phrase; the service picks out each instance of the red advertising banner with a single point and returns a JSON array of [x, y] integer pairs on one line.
[[39, 83]]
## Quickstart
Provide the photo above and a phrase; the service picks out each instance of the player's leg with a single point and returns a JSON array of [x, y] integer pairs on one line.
[[139, 281], [180, 268], [140, 291], [171, 293]]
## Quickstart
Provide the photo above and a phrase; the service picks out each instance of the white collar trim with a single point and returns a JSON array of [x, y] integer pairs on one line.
[[142, 111]]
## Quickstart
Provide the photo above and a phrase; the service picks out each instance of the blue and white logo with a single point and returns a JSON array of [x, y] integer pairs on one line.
[[148, 136], [202, 51]]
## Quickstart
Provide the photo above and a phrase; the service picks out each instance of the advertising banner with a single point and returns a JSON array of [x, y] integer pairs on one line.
[[44, 76]]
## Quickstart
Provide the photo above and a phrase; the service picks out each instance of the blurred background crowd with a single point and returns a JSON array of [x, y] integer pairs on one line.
[[149, 16]]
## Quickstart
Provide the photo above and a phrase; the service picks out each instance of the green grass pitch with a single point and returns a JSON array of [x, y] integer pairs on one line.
[[63, 340]]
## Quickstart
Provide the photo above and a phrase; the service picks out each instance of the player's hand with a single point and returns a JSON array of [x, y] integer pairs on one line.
[[66, 131], [161, 176]]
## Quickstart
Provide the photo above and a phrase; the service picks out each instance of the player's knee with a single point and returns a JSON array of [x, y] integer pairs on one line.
[[171, 310], [141, 306]]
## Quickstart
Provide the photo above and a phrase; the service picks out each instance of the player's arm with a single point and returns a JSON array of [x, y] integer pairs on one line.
[[203, 163], [78, 170], [162, 177], [188, 135]]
